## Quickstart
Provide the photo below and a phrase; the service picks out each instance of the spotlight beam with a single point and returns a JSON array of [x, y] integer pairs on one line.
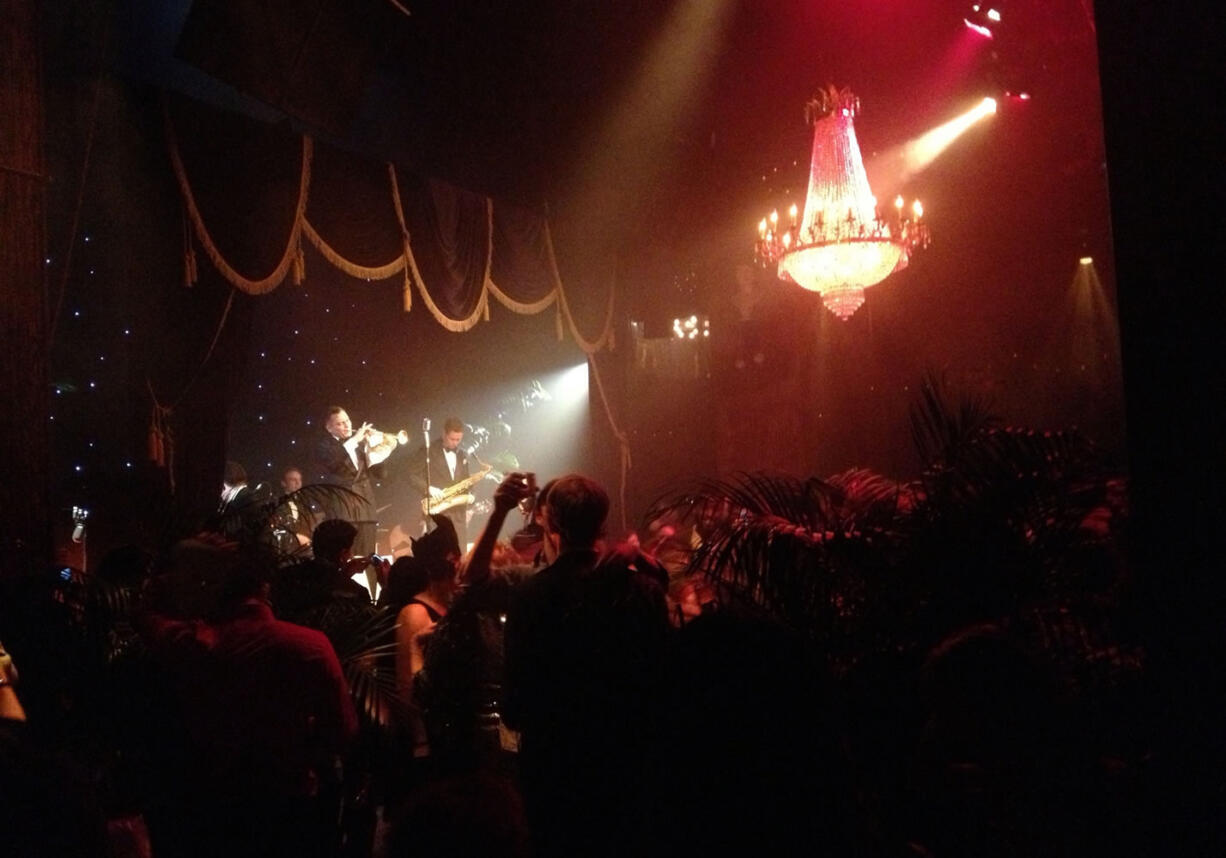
[[899, 164], [632, 138]]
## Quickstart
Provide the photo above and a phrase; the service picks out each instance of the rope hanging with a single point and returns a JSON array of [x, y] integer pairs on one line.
[[606, 334], [292, 246], [518, 306], [410, 263], [623, 442], [294, 260], [456, 325], [190, 272], [161, 439]]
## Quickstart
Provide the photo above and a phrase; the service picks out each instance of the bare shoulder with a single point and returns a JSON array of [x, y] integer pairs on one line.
[[413, 615]]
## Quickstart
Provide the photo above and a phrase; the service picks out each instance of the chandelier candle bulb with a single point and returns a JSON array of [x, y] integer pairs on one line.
[[842, 245]]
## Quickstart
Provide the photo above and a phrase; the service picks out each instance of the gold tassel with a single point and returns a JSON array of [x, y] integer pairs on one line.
[[189, 267], [485, 311], [299, 267], [407, 292], [558, 322], [157, 441]]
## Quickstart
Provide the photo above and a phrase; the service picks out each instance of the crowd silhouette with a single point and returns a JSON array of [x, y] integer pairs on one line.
[[838, 667]]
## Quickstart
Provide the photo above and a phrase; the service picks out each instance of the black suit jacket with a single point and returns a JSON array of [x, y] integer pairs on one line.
[[336, 468], [439, 477], [333, 462]]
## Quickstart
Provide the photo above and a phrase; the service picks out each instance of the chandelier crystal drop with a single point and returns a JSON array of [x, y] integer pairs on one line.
[[843, 243]]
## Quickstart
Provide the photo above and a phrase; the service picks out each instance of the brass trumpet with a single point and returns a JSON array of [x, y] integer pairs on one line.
[[381, 441]]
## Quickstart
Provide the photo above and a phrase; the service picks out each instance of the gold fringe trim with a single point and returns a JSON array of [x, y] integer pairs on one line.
[[518, 307], [606, 333], [293, 260], [353, 269], [246, 284], [454, 325]]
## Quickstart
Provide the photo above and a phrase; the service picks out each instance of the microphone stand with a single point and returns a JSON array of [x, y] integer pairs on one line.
[[425, 430]]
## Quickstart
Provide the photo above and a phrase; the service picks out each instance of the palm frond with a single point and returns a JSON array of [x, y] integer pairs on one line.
[[788, 547], [367, 652], [323, 496], [862, 563], [941, 433], [253, 523], [869, 498]]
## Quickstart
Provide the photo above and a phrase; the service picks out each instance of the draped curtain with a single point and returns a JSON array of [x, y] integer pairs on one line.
[[458, 249]]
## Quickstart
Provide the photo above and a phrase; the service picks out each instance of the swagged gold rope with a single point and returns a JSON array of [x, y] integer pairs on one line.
[[293, 259]]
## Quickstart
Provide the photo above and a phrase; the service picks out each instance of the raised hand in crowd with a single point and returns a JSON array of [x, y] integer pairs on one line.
[[515, 487]]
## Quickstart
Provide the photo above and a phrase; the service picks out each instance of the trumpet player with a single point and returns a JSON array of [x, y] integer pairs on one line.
[[345, 457]]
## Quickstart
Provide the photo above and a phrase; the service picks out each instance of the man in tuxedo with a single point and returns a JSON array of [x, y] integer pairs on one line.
[[344, 458], [445, 465]]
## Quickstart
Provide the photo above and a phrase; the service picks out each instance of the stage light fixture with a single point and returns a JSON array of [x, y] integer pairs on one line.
[[983, 20], [986, 32], [1087, 260]]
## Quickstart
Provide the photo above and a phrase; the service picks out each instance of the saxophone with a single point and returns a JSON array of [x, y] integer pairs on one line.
[[455, 494]]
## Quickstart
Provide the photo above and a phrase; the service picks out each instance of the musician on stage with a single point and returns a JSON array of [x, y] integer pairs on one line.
[[448, 465], [345, 457], [293, 520], [242, 510]]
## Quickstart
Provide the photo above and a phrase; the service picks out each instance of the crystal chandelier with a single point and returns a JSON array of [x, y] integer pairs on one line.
[[843, 244]]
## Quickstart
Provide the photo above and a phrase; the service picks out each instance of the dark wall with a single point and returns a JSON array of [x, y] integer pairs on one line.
[[1166, 187]]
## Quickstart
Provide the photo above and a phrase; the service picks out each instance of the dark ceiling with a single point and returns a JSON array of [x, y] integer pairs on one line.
[[516, 99], [490, 95]]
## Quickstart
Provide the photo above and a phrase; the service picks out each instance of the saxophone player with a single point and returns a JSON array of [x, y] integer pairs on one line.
[[442, 464]]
